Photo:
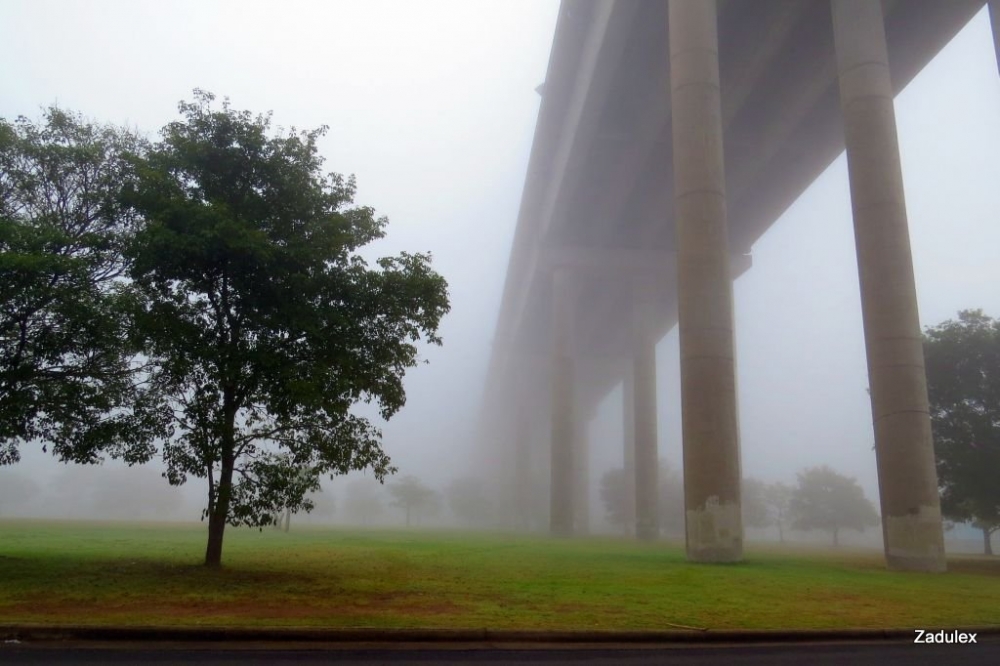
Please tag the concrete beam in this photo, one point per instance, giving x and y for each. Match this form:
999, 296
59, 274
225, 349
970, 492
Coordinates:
606, 41
904, 450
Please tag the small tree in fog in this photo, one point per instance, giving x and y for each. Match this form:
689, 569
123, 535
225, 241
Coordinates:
413, 497
468, 502
778, 497
613, 497
17, 492
825, 500
670, 499
363, 501
263, 324
753, 503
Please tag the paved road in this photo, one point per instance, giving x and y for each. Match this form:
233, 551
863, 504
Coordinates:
882, 654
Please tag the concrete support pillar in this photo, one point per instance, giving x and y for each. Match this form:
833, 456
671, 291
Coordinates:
705, 292
562, 470
643, 375
911, 514
581, 480
523, 491
628, 435
995, 25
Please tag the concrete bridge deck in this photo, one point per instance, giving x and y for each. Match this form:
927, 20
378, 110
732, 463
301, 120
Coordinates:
598, 194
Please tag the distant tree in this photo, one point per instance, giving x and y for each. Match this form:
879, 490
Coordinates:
670, 499
468, 502
363, 501
67, 372
324, 504
613, 498
17, 492
671, 508
963, 382
118, 493
413, 497
778, 497
828, 501
754, 503
263, 325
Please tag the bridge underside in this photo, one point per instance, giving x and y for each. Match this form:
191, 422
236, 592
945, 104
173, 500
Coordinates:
599, 200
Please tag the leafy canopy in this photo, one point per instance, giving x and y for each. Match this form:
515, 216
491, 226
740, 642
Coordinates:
67, 371
264, 327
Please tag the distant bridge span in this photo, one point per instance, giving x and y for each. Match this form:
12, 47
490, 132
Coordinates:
671, 135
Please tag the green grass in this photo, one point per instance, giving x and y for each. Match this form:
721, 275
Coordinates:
150, 574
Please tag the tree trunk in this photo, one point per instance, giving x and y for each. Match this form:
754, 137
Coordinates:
407, 515
781, 533
987, 546
288, 519
835, 543
217, 519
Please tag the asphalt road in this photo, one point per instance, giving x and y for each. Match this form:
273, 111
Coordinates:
881, 653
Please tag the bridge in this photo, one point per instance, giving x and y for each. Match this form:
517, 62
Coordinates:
671, 135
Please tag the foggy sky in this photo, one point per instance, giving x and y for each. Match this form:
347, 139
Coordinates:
432, 106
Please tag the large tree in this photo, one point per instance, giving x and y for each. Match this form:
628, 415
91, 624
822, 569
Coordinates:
826, 500
264, 325
963, 382
67, 372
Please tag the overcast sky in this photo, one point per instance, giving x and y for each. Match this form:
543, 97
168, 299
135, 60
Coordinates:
432, 106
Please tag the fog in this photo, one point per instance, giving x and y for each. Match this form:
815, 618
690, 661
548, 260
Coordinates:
432, 106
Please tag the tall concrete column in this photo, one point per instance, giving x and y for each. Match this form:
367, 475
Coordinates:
562, 471
581, 480
522, 471
628, 435
705, 293
647, 523
911, 513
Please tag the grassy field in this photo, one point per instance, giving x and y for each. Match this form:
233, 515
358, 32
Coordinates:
91, 573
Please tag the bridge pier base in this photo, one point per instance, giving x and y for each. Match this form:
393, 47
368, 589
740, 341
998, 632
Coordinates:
714, 527
904, 449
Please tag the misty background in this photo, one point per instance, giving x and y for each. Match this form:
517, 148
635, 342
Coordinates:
432, 105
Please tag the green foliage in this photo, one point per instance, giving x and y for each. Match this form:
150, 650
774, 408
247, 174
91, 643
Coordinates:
67, 371
963, 382
828, 501
263, 325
